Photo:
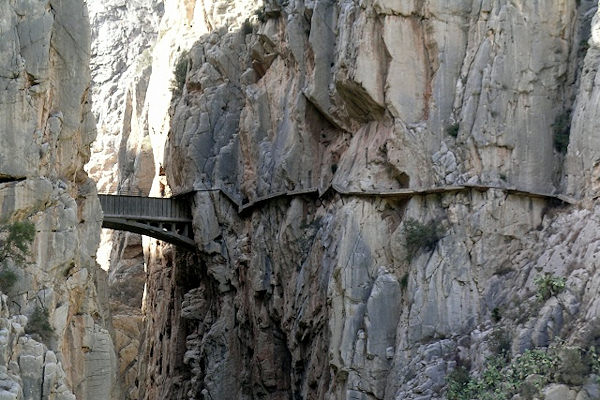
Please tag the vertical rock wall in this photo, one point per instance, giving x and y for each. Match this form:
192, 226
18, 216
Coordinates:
46, 129
313, 296
123, 35
583, 160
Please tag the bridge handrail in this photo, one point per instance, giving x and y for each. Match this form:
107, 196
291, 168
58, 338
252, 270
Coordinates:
397, 193
178, 210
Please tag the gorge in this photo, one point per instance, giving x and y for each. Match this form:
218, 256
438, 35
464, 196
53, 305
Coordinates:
390, 199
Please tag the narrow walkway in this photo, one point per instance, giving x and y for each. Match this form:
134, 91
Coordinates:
397, 194
170, 219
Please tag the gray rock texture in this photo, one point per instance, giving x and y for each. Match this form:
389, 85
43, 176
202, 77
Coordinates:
313, 296
46, 129
122, 161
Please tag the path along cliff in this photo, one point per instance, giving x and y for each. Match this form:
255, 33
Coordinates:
305, 297
314, 296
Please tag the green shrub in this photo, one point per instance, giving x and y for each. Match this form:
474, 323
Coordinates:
543, 362
39, 324
458, 384
461, 386
7, 279
16, 240
453, 129
500, 342
593, 360
180, 73
261, 14
501, 380
247, 27
421, 236
526, 374
404, 281
496, 314
574, 365
549, 285
583, 46
561, 131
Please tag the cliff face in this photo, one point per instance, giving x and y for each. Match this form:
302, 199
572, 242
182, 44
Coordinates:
123, 33
45, 132
311, 294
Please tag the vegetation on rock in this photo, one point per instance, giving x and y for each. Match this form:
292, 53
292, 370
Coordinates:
526, 374
549, 285
421, 236
180, 72
261, 14
15, 240
562, 131
7, 279
39, 324
453, 129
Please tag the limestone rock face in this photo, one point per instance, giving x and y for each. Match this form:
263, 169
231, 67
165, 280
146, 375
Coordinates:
123, 33
122, 161
45, 132
316, 298
312, 294
582, 158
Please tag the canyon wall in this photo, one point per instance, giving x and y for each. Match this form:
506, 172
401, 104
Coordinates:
122, 161
312, 295
54, 327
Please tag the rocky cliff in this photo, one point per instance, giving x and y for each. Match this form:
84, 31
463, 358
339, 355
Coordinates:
122, 161
300, 127
54, 338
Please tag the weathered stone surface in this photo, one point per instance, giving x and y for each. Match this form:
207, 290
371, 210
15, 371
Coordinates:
315, 298
123, 34
45, 132
559, 392
582, 158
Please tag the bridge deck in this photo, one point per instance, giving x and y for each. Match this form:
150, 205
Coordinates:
169, 220
147, 208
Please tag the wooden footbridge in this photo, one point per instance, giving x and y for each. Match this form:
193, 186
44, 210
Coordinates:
170, 219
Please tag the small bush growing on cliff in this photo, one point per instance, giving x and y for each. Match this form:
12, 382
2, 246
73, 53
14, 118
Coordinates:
7, 279
549, 285
496, 314
404, 282
594, 360
39, 324
583, 47
500, 342
562, 131
261, 14
421, 236
526, 374
458, 383
501, 379
15, 240
247, 27
453, 129
181, 68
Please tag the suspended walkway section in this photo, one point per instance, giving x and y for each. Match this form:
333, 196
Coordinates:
169, 220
